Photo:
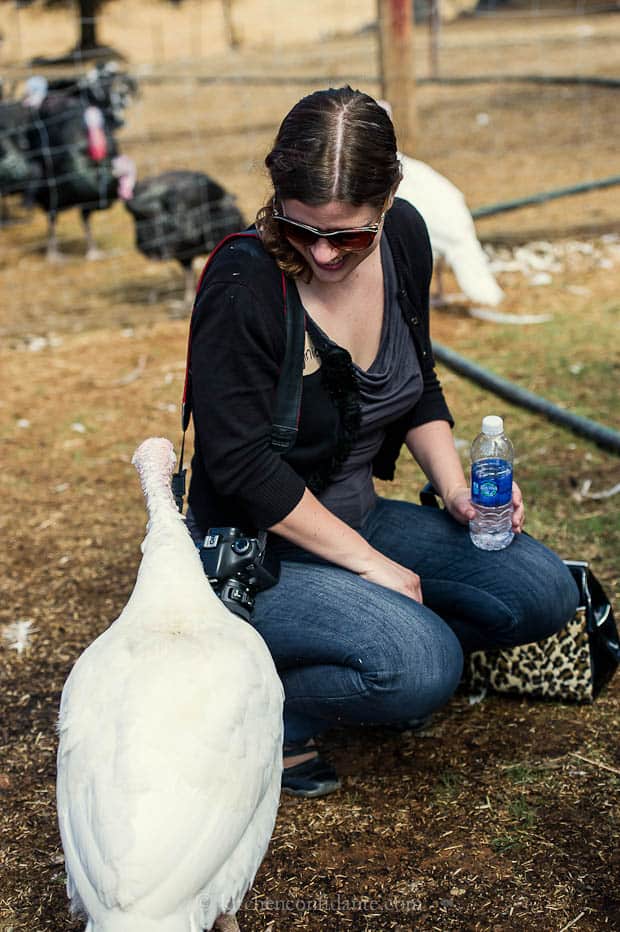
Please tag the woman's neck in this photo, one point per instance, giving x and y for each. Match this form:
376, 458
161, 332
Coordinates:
365, 276
350, 312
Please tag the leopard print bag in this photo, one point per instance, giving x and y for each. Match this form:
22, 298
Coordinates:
572, 665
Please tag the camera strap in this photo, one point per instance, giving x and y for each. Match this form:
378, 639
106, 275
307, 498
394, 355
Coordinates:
288, 393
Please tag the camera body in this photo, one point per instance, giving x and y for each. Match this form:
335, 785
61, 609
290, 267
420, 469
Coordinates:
236, 567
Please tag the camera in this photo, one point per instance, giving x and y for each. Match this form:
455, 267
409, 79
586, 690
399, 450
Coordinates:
237, 567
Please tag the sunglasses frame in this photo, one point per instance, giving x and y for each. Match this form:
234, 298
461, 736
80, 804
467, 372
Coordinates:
331, 235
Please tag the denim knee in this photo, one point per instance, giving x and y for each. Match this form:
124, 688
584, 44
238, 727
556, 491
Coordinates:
413, 677
491, 598
547, 596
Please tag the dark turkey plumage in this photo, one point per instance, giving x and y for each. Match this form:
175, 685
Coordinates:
73, 150
180, 215
16, 170
104, 86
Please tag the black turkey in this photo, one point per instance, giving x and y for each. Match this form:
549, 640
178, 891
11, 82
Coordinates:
16, 170
104, 86
180, 215
76, 158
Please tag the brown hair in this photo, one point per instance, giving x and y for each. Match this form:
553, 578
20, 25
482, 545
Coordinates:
334, 145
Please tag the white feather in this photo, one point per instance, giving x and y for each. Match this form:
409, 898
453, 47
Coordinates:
498, 317
17, 634
450, 228
170, 751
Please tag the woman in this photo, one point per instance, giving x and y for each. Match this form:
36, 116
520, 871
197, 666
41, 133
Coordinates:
377, 599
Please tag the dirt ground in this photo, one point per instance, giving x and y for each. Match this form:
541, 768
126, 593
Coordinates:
502, 815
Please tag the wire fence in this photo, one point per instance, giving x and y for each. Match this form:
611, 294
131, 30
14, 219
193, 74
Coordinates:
511, 104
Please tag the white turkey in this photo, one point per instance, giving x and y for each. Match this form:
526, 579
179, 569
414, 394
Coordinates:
170, 744
450, 228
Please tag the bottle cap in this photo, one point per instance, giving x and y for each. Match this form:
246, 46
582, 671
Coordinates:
492, 425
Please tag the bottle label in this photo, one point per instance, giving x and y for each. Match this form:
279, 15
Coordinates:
491, 482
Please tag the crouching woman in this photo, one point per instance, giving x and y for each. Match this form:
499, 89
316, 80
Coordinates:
378, 599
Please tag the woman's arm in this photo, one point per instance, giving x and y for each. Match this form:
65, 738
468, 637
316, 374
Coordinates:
312, 526
432, 446
238, 343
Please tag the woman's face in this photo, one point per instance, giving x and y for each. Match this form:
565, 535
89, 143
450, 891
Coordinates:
330, 264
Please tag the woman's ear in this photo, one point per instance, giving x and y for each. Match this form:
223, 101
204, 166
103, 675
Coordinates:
390, 199
394, 190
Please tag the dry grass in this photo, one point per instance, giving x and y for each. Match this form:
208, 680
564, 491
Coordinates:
502, 816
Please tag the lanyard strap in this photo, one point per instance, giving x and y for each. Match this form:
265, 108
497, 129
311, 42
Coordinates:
288, 395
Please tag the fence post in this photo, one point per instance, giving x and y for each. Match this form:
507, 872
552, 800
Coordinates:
229, 24
396, 53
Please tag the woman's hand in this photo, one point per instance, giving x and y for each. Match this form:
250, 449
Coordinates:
458, 503
385, 572
311, 526
518, 514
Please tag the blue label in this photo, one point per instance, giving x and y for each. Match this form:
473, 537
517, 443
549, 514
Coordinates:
491, 482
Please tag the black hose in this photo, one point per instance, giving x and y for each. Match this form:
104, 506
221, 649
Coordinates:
604, 437
543, 196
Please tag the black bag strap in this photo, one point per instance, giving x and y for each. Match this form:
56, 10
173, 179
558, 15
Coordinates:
288, 396
288, 393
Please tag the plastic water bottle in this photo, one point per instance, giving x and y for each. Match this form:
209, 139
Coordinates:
491, 486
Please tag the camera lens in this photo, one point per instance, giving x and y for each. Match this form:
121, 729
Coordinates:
241, 546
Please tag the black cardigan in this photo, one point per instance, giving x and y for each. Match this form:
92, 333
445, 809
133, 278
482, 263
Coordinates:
238, 343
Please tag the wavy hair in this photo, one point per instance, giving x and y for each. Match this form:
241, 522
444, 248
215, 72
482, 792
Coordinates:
334, 145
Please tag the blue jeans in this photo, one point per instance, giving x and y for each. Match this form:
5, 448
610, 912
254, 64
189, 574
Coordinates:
350, 652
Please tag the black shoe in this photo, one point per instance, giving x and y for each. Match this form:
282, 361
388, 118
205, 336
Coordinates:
409, 724
314, 777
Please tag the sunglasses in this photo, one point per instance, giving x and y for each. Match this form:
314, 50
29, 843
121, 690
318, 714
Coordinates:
354, 239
